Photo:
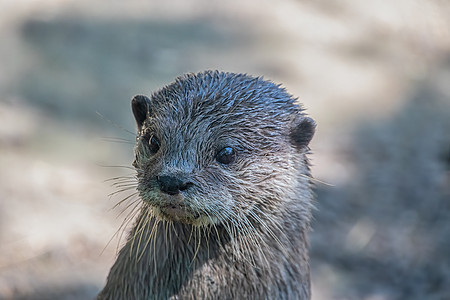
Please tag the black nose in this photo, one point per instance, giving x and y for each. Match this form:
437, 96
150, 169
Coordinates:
172, 185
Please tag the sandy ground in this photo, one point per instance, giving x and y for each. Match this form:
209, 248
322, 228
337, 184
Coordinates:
69, 69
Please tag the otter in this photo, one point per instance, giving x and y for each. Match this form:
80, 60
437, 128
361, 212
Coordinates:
225, 188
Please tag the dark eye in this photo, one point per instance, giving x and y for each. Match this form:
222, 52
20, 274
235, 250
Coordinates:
153, 144
226, 156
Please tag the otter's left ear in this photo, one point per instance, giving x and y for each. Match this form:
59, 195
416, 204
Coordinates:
302, 131
141, 109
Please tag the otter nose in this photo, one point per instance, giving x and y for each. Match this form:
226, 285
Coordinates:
172, 185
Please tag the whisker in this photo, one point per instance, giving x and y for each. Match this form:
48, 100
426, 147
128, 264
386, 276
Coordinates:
130, 176
118, 140
190, 235
140, 232
266, 227
128, 205
197, 232
317, 180
115, 234
116, 166
152, 237
125, 184
130, 216
254, 237
120, 191
114, 124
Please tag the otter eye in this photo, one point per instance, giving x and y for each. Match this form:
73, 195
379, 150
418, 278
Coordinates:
226, 156
153, 143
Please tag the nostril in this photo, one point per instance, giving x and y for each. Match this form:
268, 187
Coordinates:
185, 186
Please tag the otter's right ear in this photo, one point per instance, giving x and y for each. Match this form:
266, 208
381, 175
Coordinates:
302, 131
141, 109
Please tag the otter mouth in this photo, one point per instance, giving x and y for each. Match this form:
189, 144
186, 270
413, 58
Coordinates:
176, 212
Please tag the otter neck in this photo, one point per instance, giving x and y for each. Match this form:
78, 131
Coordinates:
160, 259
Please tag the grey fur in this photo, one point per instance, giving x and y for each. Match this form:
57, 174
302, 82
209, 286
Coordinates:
244, 233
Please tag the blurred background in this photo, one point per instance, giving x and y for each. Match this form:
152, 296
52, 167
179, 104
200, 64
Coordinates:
375, 75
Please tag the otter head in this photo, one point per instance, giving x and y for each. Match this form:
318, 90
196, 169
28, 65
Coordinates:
215, 147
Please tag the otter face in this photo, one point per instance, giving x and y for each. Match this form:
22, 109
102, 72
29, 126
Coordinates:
213, 147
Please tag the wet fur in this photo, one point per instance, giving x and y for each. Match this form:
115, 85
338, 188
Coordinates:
246, 234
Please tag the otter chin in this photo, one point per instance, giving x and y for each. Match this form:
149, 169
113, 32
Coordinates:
177, 213
222, 170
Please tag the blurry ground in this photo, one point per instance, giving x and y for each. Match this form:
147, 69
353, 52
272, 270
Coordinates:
375, 77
